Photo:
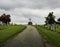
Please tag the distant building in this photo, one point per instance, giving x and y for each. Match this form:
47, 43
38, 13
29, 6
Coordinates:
30, 22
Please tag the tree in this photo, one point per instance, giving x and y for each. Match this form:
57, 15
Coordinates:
59, 20
50, 20
5, 18
46, 20
58, 23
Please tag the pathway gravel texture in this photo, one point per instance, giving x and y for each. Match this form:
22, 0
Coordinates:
30, 37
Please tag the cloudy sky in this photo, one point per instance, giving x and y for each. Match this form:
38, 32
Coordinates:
22, 10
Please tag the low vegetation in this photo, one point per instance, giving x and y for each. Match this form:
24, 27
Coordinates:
58, 29
7, 32
50, 36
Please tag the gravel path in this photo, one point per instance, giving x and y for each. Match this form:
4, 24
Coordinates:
28, 38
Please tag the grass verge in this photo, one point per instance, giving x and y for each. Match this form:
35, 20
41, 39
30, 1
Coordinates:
50, 36
7, 32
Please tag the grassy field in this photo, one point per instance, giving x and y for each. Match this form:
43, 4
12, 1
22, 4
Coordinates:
7, 32
50, 36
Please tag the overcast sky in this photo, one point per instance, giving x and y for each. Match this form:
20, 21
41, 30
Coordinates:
22, 10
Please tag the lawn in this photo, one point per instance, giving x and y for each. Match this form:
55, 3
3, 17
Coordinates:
50, 36
7, 32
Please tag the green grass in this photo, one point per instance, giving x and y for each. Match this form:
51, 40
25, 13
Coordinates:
2, 27
50, 36
58, 29
7, 32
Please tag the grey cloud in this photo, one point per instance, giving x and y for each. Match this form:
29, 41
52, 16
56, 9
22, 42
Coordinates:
37, 4
22, 10
54, 3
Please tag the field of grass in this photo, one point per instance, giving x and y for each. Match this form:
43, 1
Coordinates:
7, 32
50, 36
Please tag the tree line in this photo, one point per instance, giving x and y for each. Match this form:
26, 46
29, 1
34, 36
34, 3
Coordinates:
5, 19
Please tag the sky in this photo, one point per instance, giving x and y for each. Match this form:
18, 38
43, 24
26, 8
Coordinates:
22, 10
